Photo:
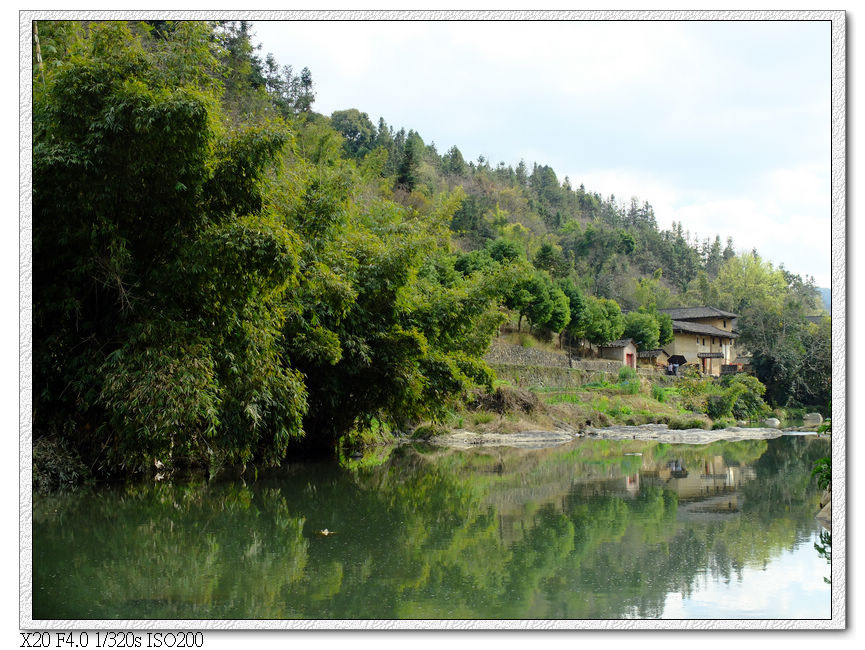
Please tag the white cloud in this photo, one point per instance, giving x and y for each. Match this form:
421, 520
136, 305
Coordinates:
604, 58
791, 586
805, 185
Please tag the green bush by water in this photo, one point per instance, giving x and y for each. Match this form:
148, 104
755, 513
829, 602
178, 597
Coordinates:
483, 417
823, 472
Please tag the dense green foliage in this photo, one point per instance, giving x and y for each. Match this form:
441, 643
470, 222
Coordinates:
209, 288
159, 281
822, 470
738, 396
221, 273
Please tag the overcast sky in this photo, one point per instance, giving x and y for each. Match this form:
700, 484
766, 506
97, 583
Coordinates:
724, 126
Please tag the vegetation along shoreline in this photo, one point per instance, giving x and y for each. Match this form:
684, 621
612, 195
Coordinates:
225, 278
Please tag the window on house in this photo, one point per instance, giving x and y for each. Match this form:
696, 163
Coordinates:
725, 324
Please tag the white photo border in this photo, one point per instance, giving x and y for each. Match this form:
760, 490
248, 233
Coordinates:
839, 341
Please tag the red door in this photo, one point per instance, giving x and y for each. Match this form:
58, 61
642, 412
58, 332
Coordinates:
629, 359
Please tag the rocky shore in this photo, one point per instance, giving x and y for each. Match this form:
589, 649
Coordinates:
523, 439
658, 432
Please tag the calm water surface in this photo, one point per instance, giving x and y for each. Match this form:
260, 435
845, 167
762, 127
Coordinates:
591, 530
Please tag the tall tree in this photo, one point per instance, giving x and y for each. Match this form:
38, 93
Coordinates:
357, 130
409, 167
643, 328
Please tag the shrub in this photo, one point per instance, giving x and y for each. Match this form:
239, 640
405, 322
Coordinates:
627, 373
428, 431
505, 400
748, 402
687, 423
563, 398
55, 465
823, 472
482, 418
602, 404
693, 388
795, 412
719, 406
631, 387
659, 393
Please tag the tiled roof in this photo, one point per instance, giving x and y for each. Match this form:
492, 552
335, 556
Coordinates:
689, 313
697, 328
646, 354
620, 343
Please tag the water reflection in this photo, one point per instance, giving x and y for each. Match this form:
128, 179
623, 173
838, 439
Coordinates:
824, 550
597, 529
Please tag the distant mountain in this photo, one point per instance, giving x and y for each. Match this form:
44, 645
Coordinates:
826, 295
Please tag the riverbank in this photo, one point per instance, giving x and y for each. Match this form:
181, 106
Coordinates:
542, 390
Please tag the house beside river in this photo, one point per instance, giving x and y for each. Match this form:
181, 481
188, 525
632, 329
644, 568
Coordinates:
703, 335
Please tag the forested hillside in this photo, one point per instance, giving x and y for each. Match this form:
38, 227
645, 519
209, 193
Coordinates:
223, 275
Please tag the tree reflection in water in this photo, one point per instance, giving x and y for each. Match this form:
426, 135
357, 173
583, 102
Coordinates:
824, 549
425, 533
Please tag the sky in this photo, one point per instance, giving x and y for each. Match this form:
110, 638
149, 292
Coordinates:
724, 126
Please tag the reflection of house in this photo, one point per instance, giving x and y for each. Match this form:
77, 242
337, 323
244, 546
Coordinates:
703, 335
653, 358
709, 477
623, 350
677, 470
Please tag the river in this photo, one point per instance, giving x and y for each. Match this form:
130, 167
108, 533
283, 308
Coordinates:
592, 529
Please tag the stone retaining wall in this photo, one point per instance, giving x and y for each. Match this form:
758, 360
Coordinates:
533, 367
509, 353
530, 376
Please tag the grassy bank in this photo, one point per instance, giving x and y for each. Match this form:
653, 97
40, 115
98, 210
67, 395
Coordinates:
627, 399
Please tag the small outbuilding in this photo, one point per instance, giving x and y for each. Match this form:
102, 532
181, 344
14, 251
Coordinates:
653, 358
622, 350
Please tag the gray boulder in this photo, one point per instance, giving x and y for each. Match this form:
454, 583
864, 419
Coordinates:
825, 498
772, 422
825, 516
812, 418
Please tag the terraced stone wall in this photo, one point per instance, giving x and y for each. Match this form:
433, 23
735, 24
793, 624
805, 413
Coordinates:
527, 367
